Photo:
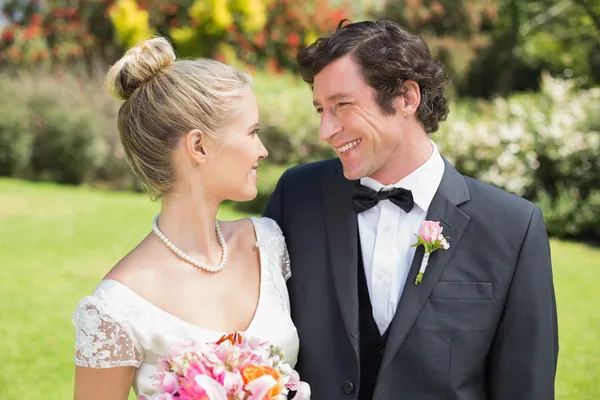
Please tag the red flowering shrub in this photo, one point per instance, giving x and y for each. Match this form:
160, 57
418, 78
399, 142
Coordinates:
56, 36
291, 24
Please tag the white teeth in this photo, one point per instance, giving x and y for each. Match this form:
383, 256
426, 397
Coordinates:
348, 146
253, 172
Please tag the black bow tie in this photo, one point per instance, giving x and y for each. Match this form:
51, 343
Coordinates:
364, 198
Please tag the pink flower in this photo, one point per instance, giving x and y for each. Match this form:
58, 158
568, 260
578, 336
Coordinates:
192, 390
303, 391
430, 231
158, 396
431, 238
163, 365
169, 383
194, 368
222, 371
176, 365
230, 380
213, 390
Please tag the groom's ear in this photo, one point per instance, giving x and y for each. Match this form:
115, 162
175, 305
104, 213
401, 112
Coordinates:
408, 99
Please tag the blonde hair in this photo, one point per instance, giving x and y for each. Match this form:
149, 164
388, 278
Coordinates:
164, 100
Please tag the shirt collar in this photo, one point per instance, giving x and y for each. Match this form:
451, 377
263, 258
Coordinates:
422, 182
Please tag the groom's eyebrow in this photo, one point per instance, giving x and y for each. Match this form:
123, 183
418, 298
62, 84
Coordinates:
333, 97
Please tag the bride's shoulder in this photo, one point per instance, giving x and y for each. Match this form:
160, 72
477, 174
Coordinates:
122, 286
104, 304
141, 270
251, 229
104, 325
268, 234
260, 233
267, 225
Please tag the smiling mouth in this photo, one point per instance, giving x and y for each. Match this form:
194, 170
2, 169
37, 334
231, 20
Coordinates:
348, 146
253, 170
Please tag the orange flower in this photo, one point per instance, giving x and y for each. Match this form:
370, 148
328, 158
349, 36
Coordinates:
234, 338
253, 372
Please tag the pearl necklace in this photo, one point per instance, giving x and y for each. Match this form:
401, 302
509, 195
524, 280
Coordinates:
187, 257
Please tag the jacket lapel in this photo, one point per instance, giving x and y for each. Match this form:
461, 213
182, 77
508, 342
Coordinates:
342, 236
451, 193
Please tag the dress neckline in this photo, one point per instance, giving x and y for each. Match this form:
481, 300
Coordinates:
261, 290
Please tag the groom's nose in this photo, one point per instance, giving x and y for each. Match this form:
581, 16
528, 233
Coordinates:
330, 125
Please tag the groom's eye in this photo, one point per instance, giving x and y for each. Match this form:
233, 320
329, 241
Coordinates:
319, 110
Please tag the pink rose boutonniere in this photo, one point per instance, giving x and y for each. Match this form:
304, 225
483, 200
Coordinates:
430, 236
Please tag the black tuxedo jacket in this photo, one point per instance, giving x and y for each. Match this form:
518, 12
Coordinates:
481, 325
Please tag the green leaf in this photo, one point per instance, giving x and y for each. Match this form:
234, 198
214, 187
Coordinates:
419, 278
419, 242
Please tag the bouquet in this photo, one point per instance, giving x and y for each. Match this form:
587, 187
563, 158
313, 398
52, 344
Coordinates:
233, 368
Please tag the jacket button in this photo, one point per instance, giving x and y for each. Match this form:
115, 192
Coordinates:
348, 387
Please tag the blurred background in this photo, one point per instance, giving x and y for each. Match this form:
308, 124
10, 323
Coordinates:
525, 116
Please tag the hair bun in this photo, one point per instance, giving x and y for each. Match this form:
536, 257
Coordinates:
138, 65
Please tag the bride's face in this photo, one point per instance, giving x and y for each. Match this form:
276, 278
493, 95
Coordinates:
230, 171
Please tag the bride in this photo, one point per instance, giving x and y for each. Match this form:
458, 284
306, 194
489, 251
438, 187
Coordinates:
189, 129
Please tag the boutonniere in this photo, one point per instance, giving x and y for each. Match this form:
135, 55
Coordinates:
430, 236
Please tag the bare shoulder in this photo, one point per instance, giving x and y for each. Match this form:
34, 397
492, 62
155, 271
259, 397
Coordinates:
244, 230
239, 232
139, 270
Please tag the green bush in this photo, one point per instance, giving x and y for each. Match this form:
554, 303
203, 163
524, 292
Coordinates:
289, 122
60, 128
16, 140
542, 146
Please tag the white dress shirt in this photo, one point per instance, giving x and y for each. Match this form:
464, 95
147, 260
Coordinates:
387, 232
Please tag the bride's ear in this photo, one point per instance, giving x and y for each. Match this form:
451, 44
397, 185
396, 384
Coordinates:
196, 146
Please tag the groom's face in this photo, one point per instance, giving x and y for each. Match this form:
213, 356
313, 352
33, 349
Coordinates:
351, 121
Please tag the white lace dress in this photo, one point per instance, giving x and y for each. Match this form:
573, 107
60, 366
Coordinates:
116, 327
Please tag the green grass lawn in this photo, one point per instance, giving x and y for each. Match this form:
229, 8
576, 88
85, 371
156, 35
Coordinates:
56, 243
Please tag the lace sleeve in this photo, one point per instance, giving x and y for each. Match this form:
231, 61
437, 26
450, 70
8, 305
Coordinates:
273, 238
285, 263
100, 340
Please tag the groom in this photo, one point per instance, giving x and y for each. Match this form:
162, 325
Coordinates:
482, 322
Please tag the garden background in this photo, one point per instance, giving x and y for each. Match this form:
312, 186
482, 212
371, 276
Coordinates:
525, 116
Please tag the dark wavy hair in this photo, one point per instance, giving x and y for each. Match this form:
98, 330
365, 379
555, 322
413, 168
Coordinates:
387, 56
